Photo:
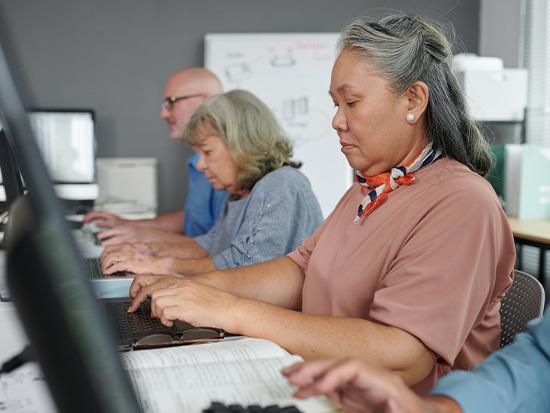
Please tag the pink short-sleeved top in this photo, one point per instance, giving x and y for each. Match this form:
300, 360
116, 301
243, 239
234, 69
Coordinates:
434, 260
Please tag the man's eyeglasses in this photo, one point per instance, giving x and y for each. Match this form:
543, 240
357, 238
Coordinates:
168, 102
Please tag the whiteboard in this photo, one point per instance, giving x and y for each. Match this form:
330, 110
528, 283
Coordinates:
290, 72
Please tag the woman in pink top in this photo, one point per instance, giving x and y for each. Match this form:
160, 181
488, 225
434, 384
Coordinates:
408, 271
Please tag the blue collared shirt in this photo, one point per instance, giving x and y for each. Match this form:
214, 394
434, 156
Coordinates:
274, 219
203, 203
514, 379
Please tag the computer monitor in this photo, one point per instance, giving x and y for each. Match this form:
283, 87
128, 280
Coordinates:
10, 177
66, 139
67, 327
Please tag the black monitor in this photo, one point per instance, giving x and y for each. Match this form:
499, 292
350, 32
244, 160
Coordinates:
68, 329
10, 177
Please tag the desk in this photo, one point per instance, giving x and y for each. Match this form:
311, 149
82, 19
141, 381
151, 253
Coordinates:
31, 395
535, 233
13, 338
25, 390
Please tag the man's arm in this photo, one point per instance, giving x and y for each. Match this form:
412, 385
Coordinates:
514, 379
170, 222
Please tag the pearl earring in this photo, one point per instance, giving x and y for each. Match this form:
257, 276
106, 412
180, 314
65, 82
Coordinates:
410, 117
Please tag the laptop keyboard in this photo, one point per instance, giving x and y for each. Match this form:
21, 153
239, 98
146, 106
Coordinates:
138, 330
217, 407
94, 269
131, 325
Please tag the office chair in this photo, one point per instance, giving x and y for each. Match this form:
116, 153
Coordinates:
523, 302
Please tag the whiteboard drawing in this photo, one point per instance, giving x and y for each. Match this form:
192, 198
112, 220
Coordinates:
237, 72
290, 72
284, 59
294, 107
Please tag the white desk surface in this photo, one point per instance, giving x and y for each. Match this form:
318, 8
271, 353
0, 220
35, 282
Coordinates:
25, 390
12, 337
22, 391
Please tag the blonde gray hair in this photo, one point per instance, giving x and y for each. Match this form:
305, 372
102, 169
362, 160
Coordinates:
405, 49
250, 131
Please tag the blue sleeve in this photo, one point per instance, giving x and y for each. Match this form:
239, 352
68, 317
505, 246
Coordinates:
279, 216
514, 379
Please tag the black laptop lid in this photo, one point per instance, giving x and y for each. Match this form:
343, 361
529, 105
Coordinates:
11, 178
67, 328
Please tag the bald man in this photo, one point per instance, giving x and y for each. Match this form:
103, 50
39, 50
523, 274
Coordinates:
185, 90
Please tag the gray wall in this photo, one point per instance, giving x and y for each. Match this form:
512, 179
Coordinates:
497, 41
115, 56
500, 30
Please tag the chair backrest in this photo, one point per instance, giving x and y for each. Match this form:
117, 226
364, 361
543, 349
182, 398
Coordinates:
523, 302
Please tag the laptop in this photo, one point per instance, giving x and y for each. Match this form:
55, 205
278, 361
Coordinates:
105, 286
138, 330
13, 187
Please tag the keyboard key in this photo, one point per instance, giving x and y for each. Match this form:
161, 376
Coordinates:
217, 407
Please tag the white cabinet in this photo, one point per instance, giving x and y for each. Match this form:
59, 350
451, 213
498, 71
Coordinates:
495, 95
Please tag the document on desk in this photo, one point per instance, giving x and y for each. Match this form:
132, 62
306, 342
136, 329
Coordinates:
237, 370
25, 391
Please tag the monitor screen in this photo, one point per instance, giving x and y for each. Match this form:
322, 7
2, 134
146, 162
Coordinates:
67, 142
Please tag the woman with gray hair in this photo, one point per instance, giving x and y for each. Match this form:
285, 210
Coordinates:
408, 271
271, 208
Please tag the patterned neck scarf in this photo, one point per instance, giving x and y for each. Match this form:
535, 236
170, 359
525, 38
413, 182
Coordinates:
382, 184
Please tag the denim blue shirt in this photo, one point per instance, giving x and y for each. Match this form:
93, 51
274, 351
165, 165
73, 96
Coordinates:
203, 203
514, 379
278, 214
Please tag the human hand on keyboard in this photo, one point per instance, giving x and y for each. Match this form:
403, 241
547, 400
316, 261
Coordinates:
104, 219
356, 386
178, 298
